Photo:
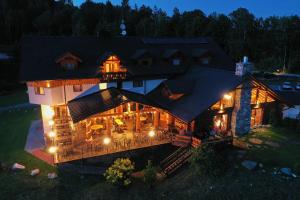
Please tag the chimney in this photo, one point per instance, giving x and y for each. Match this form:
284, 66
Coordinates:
243, 68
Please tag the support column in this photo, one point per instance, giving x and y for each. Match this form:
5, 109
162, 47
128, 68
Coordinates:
241, 114
108, 128
156, 119
137, 122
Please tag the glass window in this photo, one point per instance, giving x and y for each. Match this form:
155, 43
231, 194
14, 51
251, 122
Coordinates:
176, 61
77, 88
39, 90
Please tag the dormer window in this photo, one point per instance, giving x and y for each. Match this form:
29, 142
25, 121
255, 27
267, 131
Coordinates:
205, 61
201, 56
70, 66
176, 61
145, 62
174, 56
112, 65
68, 61
142, 57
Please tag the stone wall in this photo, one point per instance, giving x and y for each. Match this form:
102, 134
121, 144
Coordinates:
241, 115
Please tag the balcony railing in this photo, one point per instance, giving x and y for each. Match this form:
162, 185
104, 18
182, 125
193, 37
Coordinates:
98, 148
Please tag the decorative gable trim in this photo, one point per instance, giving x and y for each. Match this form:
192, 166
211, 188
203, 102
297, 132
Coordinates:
68, 55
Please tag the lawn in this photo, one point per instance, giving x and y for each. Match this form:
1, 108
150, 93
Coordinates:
286, 152
17, 97
237, 183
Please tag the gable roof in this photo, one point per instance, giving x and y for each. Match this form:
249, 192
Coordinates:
292, 97
101, 101
209, 85
38, 55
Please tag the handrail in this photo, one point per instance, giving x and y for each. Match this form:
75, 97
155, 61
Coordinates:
175, 153
180, 163
174, 158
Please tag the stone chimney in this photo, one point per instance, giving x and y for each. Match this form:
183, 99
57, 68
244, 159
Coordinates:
243, 68
241, 114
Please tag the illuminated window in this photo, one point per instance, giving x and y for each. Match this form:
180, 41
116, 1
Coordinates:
39, 90
112, 64
77, 88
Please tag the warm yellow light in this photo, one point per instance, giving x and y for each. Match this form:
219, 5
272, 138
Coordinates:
106, 141
129, 108
51, 134
151, 133
49, 112
221, 109
227, 96
51, 122
48, 85
218, 123
257, 104
52, 149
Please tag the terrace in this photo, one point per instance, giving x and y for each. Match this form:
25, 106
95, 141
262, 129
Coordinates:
127, 127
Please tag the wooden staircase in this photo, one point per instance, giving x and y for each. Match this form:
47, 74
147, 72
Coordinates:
181, 140
174, 161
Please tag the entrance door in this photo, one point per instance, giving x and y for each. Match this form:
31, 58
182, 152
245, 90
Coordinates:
256, 117
221, 123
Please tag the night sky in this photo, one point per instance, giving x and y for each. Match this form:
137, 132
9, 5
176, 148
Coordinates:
260, 8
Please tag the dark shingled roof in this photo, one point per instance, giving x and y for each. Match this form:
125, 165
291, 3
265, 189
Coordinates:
209, 86
202, 87
39, 53
292, 97
86, 106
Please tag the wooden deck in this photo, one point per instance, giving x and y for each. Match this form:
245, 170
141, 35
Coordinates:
87, 150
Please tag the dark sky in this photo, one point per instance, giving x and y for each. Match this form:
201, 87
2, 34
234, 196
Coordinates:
260, 8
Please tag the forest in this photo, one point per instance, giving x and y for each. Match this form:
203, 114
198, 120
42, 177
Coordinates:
271, 43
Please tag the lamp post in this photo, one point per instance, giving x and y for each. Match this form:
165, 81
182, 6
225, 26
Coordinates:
106, 142
151, 134
52, 150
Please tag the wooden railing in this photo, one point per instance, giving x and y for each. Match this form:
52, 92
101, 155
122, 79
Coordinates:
99, 149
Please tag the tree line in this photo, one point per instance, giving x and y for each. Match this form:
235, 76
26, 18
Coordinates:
271, 43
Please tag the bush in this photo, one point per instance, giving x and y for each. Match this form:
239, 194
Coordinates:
119, 173
149, 174
205, 161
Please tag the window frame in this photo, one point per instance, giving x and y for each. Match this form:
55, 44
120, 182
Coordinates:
176, 61
76, 89
39, 90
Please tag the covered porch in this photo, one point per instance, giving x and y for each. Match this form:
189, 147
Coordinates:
109, 122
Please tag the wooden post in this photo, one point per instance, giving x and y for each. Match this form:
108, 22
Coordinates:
171, 120
156, 119
137, 123
108, 129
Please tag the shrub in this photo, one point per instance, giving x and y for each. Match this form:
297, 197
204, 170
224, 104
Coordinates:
149, 174
205, 161
119, 173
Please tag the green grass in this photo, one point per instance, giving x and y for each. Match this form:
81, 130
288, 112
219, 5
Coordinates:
235, 184
17, 97
286, 155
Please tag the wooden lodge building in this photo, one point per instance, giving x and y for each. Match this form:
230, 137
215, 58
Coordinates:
100, 96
